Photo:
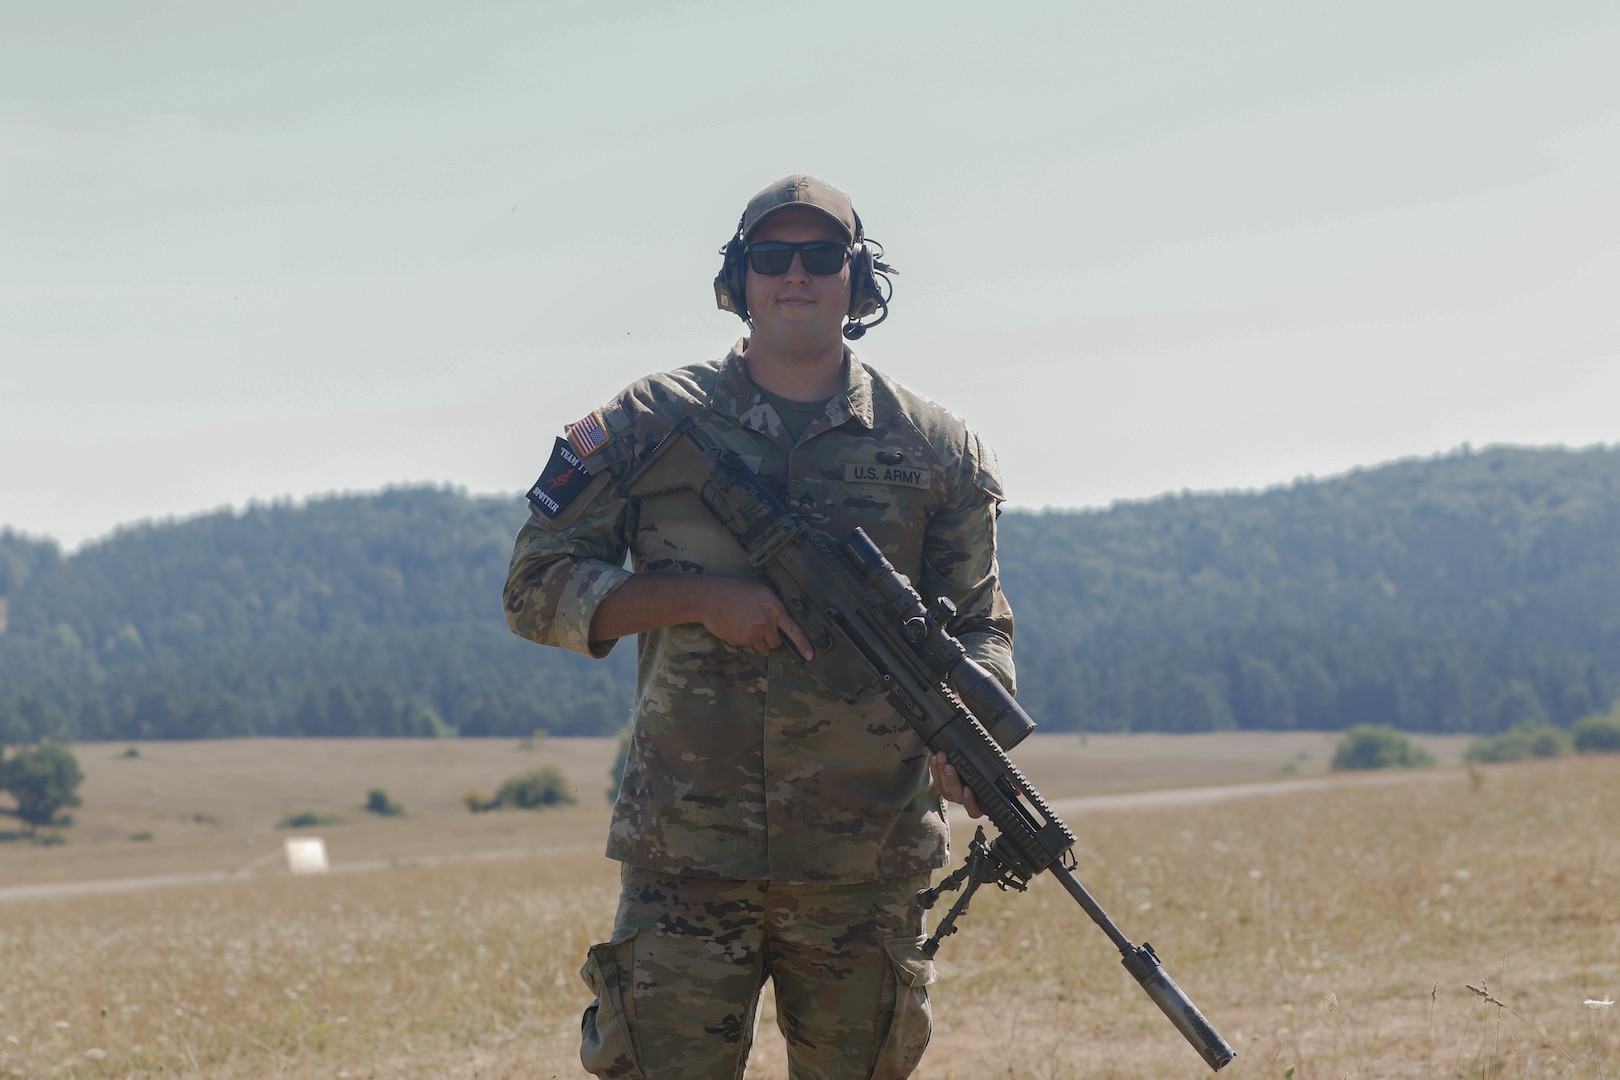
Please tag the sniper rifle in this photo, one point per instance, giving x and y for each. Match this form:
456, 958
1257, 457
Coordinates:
872, 632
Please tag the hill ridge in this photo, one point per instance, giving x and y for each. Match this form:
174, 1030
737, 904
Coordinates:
1451, 593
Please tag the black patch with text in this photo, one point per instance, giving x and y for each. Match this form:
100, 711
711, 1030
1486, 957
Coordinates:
565, 476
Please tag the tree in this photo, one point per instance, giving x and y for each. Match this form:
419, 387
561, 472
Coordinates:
1597, 734
1514, 705
42, 780
11, 724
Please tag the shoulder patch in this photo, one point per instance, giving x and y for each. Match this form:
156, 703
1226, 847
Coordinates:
564, 477
588, 435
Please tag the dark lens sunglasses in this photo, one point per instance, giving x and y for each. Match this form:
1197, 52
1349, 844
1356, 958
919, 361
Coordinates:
773, 257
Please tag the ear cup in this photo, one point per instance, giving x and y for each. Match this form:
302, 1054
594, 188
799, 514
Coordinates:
864, 297
731, 283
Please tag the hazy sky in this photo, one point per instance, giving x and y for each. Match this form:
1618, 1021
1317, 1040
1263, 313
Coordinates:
250, 251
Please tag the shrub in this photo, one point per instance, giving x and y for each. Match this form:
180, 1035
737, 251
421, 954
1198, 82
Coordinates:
1520, 742
42, 780
307, 819
378, 801
536, 788
1378, 746
1597, 734
479, 802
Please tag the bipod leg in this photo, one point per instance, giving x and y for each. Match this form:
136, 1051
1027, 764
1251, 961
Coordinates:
927, 898
979, 868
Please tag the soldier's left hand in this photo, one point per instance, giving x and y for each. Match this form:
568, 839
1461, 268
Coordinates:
950, 785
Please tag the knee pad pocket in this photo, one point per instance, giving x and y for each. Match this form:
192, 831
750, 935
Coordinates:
911, 1023
607, 1032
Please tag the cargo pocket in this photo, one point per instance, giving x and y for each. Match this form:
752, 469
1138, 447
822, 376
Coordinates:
912, 1021
607, 1031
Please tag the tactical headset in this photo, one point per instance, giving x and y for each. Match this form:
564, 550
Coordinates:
869, 284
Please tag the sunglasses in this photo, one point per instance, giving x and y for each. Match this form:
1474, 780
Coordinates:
773, 257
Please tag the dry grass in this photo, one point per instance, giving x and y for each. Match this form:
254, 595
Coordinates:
214, 806
1069, 765
1313, 929
1329, 932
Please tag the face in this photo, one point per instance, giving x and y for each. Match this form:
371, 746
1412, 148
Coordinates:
797, 304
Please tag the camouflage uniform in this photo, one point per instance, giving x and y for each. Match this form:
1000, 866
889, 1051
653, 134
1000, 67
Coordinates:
742, 767
851, 983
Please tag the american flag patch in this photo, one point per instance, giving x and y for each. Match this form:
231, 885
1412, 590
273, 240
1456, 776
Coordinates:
588, 436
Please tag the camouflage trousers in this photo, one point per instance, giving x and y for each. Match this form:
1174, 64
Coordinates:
677, 986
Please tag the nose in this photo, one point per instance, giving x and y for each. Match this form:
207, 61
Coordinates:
796, 270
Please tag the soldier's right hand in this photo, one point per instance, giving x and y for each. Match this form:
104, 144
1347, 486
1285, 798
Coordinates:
747, 612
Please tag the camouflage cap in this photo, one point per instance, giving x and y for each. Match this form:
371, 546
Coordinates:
802, 190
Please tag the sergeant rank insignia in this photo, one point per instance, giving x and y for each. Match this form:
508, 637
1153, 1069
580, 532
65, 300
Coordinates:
565, 476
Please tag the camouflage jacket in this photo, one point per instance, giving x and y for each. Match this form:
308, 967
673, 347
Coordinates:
741, 765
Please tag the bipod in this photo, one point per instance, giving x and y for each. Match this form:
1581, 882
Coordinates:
982, 867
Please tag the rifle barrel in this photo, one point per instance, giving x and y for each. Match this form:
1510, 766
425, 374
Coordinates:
1143, 964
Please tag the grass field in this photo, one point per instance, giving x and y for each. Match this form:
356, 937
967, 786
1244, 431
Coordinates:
1332, 932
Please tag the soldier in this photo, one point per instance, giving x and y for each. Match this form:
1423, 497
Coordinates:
765, 829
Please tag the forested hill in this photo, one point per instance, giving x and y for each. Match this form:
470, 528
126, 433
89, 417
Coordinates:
375, 614
1464, 593
1461, 593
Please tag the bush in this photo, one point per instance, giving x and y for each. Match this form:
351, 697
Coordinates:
1520, 742
479, 802
307, 819
1597, 734
42, 780
1378, 746
378, 801
536, 788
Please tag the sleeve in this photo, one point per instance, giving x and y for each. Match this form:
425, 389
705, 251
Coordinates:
959, 562
564, 566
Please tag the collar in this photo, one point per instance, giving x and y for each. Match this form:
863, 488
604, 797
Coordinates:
735, 393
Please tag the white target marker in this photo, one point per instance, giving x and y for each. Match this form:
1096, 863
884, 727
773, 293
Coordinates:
307, 855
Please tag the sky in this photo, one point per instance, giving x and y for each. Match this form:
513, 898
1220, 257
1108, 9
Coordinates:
253, 252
